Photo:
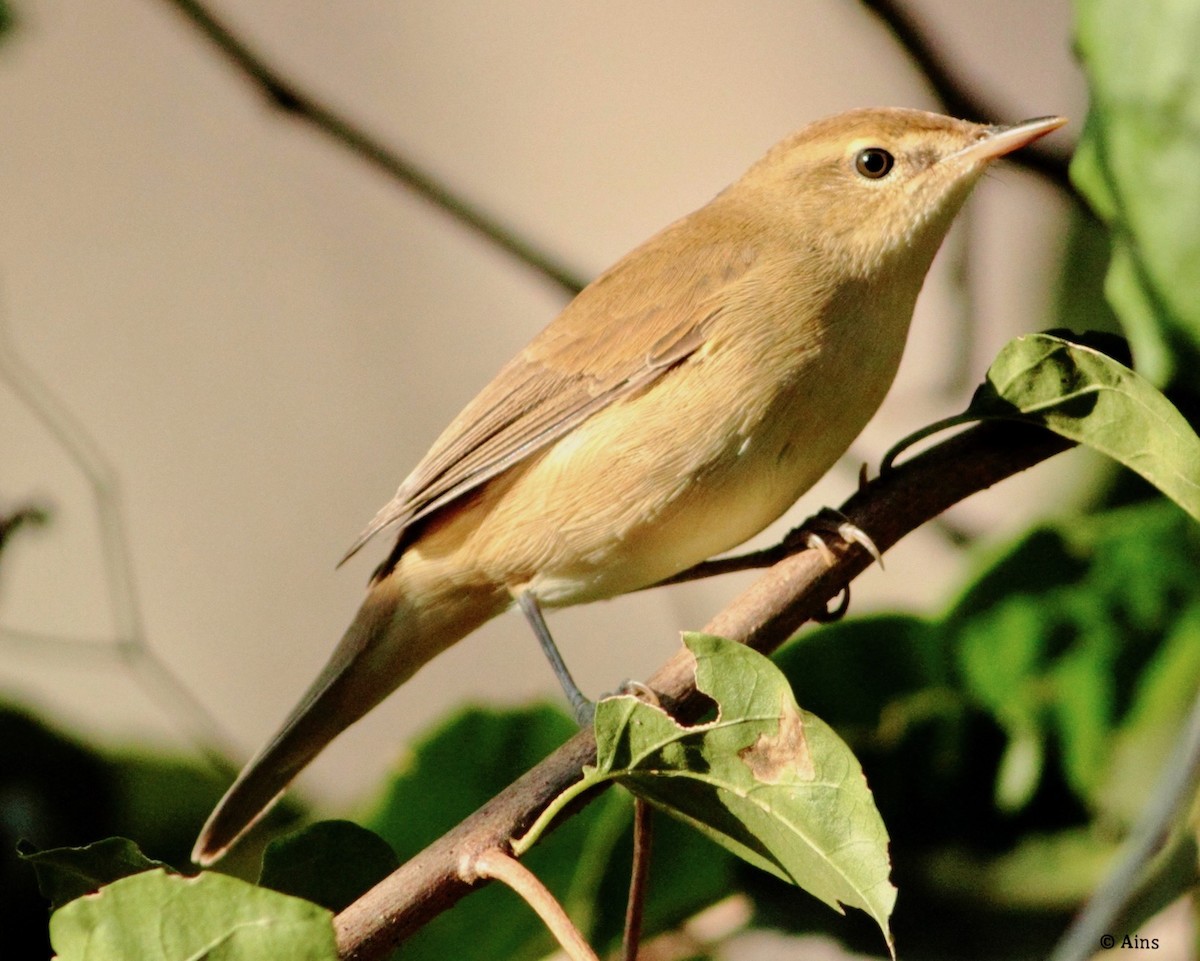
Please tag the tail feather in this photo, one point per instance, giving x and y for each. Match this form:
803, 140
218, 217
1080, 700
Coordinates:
384, 646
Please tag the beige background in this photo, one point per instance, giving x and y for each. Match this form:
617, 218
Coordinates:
263, 335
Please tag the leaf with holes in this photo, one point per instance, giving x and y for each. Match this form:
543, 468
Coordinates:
764, 779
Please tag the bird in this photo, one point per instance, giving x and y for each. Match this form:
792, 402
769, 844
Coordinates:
679, 404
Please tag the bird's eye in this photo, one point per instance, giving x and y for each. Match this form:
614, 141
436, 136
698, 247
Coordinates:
873, 162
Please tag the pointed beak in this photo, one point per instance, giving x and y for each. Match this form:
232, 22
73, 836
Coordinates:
999, 141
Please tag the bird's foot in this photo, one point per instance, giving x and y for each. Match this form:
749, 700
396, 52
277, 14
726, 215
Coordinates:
833, 522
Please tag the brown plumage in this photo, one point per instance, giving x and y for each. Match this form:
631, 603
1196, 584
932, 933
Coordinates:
677, 406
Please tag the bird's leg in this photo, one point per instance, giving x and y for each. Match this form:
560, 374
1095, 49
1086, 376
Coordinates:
583, 709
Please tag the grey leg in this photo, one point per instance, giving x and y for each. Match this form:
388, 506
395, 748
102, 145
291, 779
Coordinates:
583, 709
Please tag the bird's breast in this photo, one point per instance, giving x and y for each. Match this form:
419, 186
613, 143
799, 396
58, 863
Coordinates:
699, 462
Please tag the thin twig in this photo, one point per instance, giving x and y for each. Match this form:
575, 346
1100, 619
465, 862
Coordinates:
288, 97
959, 97
129, 638
508, 870
763, 617
643, 840
28, 516
78, 650
1176, 788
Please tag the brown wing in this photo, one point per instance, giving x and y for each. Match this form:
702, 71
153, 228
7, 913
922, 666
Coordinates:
624, 331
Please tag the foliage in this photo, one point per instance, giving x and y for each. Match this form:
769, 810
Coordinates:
1074, 389
1136, 164
1006, 743
767, 781
331, 863
156, 916
1009, 743
582, 862
56, 791
1012, 741
65, 874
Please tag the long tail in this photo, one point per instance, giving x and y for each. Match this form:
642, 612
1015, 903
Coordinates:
395, 633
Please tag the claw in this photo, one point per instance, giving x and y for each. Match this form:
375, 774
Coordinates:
816, 542
835, 521
854, 533
642, 692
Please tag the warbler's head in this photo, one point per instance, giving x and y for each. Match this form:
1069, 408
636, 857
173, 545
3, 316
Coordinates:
879, 186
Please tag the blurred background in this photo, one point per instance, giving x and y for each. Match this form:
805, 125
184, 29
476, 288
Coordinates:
261, 334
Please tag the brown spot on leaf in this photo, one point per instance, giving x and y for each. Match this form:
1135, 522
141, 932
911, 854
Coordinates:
784, 755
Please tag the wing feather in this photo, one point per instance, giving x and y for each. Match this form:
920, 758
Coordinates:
620, 335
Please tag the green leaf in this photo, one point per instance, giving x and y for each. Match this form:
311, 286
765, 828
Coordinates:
466, 761
155, 916
1057, 679
65, 874
1081, 629
458, 766
905, 656
161, 799
766, 780
1138, 163
688, 873
1157, 713
450, 773
330, 863
1042, 871
889, 685
57, 792
1086, 396
1079, 299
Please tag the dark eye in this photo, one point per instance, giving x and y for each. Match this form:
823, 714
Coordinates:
873, 162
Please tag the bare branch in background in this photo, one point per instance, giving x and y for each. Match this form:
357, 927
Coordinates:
960, 98
287, 96
129, 643
28, 516
1174, 791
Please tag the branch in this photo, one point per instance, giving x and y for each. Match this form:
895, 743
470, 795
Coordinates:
129, 642
1173, 792
508, 870
764, 616
29, 516
284, 94
643, 833
961, 98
